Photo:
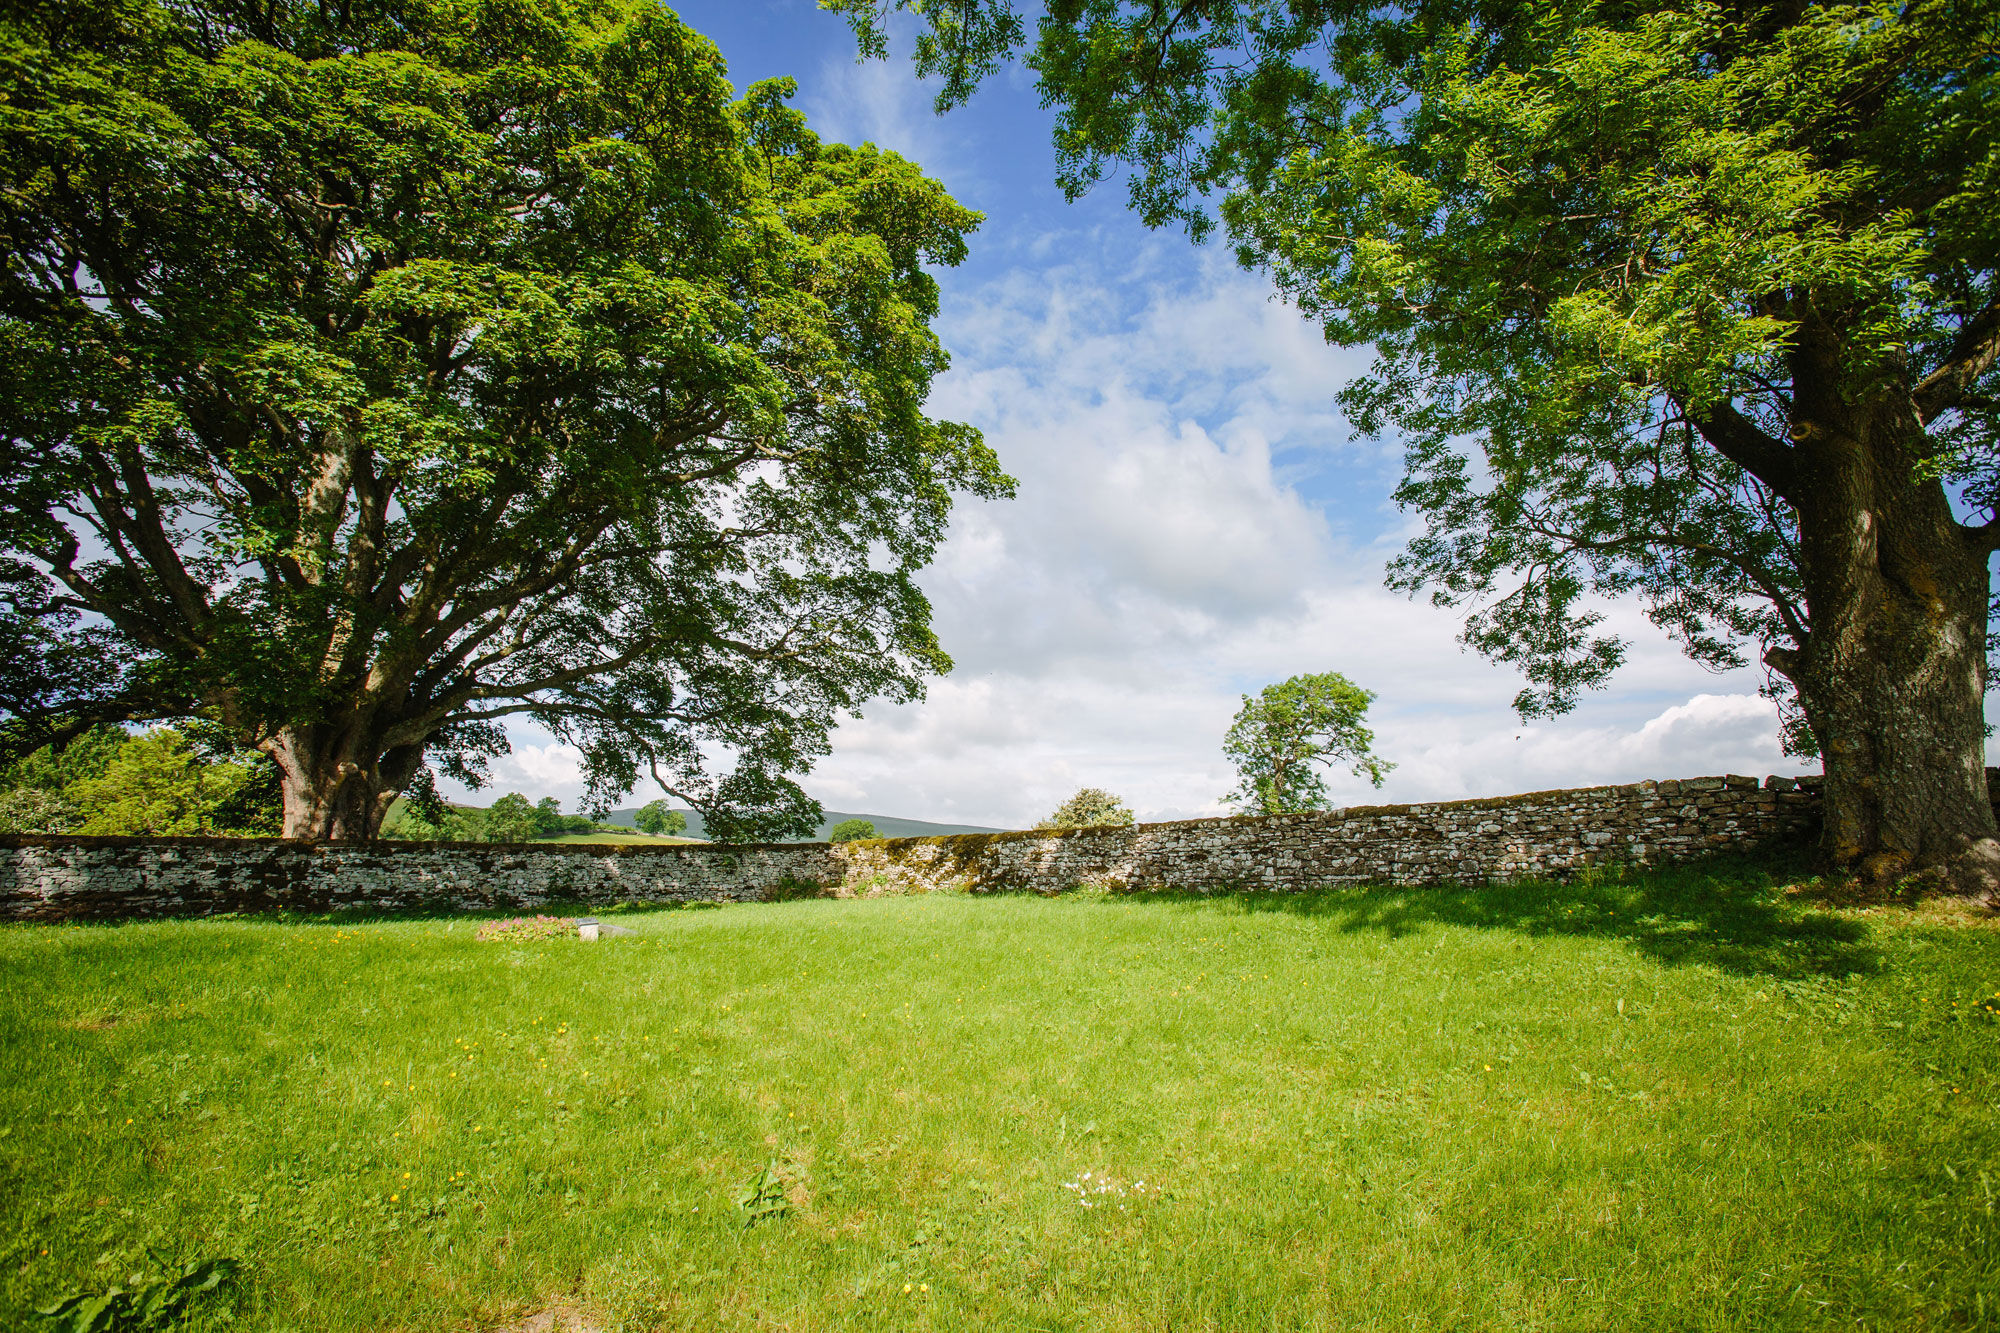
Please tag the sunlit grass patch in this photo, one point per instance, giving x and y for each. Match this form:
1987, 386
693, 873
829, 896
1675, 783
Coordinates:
1686, 1100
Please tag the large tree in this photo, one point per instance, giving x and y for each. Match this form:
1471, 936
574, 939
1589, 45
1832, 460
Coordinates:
1690, 302
376, 372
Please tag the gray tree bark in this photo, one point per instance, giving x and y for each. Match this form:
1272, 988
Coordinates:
1893, 672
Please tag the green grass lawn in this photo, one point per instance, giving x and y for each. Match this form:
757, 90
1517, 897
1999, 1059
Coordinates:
1681, 1101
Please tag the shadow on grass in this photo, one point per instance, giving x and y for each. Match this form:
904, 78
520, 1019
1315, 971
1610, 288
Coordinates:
1727, 913
360, 916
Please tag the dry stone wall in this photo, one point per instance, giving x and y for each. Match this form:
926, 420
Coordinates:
57, 879
1542, 833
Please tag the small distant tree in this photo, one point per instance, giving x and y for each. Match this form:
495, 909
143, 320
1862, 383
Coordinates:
655, 818
549, 819
1092, 807
1283, 737
511, 819
851, 830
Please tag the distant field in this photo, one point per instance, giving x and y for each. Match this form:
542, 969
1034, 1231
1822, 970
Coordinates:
1684, 1101
614, 837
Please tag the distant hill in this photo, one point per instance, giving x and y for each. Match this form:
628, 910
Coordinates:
886, 826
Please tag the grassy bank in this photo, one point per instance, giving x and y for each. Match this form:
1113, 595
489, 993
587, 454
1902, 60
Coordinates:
1684, 1101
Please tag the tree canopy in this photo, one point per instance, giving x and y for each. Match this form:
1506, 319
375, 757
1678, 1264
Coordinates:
1283, 737
1698, 304
379, 373
851, 830
656, 818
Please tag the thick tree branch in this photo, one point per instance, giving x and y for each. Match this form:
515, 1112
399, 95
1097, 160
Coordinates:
1972, 354
1738, 439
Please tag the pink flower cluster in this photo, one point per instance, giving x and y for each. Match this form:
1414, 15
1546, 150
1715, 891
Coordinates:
528, 928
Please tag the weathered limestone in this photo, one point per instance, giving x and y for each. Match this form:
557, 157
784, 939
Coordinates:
1542, 833
54, 879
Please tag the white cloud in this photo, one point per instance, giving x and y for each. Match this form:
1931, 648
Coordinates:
1143, 432
1158, 564
1006, 746
538, 767
876, 101
1194, 522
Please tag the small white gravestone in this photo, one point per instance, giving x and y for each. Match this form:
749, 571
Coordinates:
590, 928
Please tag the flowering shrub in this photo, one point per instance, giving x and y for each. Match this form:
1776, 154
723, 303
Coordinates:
528, 928
31, 810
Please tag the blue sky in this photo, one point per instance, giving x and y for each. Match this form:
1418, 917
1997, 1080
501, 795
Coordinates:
1195, 518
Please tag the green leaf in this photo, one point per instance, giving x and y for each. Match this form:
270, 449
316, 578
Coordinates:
763, 1198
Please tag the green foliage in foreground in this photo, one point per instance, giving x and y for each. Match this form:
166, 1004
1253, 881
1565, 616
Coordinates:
850, 830
149, 1303
1682, 1101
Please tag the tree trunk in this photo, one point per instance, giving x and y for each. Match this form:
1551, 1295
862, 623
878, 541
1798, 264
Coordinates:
1892, 674
338, 786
